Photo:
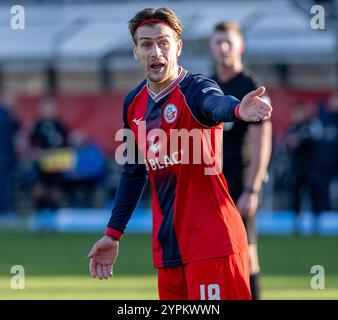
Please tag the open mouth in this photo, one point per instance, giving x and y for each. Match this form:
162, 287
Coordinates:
156, 66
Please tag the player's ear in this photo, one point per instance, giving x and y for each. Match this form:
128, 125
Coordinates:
179, 47
135, 51
242, 46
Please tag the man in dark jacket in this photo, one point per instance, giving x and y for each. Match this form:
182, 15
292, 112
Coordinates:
8, 128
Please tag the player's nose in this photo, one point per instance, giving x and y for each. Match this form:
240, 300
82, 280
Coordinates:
225, 46
156, 51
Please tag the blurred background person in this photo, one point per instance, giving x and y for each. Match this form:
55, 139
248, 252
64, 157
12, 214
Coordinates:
327, 151
48, 140
246, 146
8, 157
83, 180
301, 141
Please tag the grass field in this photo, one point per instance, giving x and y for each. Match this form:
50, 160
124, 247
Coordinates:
56, 267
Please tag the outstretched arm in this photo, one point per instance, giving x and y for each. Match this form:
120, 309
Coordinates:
216, 108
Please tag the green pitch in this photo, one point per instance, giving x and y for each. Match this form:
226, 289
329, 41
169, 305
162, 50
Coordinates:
56, 267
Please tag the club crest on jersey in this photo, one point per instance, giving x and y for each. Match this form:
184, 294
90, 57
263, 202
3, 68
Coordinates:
170, 113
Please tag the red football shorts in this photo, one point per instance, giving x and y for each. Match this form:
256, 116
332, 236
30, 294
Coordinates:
223, 278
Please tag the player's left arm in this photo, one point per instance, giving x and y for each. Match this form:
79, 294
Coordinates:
260, 140
212, 107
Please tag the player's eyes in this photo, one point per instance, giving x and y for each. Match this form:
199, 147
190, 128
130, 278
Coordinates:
221, 43
146, 44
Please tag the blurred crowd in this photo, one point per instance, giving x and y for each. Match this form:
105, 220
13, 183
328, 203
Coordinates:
308, 158
67, 169
62, 169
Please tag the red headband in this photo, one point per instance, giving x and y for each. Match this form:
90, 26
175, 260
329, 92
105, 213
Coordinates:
153, 20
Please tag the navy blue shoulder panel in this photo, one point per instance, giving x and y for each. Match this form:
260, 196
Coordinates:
194, 87
129, 99
207, 101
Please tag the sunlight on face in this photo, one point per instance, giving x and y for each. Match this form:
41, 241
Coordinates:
226, 47
157, 49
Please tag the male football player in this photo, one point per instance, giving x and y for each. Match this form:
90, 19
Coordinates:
199, 241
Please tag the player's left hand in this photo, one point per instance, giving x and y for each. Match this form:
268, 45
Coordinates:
102, 257
253, 108
247, 204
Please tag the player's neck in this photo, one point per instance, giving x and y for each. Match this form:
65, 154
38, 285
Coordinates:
156, 87
226, 73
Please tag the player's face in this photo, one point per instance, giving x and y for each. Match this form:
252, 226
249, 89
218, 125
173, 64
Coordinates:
157, 49
226, 48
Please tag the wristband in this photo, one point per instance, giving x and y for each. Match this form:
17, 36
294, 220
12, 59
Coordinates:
236, 111
113, 233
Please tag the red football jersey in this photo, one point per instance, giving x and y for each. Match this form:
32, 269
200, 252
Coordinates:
194, 217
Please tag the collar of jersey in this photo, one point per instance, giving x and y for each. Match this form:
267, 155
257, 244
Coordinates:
157, 97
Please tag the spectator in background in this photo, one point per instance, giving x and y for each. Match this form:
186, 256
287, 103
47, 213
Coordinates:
246, 146
327, 150
301, 143
51, 158
8, 129
84, 178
